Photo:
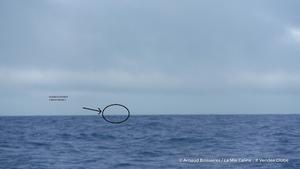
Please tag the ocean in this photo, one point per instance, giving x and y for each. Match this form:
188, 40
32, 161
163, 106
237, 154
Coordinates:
149, 142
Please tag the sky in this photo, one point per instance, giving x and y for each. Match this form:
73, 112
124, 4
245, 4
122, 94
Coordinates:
155, 57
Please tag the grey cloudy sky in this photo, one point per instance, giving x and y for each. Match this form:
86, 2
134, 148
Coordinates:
156, 57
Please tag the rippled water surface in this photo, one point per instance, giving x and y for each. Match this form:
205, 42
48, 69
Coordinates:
149, 141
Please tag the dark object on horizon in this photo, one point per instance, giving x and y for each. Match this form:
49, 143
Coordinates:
113, 120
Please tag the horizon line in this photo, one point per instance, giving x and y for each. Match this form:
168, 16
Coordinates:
190, 114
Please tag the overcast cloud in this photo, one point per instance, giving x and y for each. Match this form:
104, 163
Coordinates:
156, 57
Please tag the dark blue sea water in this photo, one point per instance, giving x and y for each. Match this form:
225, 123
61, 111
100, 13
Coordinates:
59, 142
